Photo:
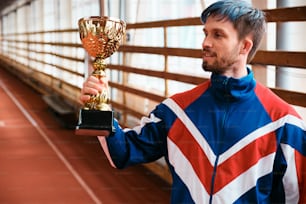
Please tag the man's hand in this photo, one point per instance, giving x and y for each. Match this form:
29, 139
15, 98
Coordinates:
93, 86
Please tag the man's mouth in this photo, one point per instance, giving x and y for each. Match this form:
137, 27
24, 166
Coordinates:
206, 53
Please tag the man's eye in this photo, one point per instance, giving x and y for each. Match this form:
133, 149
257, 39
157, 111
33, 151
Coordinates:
218, 35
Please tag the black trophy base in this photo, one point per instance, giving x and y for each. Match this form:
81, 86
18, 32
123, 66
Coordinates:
95, 123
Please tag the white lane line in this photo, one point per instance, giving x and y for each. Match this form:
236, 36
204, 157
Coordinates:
51, 144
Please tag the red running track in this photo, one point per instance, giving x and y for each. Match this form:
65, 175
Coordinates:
42, 162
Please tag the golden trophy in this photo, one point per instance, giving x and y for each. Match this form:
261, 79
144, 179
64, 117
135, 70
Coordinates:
101, 37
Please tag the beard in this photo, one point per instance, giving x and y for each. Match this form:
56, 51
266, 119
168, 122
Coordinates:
220, 64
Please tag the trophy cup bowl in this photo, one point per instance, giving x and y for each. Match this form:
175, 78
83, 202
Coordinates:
101, 37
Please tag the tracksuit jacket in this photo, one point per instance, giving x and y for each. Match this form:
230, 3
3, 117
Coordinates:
225, 141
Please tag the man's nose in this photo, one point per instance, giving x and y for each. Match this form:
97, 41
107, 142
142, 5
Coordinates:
206, 42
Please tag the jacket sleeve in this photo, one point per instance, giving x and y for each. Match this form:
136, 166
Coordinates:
142, 144
300, 161
301, 174
293, 145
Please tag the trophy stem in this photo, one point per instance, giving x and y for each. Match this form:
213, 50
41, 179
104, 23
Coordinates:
99, 65
101, 100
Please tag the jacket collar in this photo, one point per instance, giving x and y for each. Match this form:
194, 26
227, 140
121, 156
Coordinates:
231, 89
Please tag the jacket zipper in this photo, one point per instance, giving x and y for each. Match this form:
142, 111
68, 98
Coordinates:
225, 82
213, 180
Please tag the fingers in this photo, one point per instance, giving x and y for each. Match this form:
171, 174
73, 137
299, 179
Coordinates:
93, 86
84, 98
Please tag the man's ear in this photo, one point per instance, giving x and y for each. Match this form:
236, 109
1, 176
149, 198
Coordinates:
247, 45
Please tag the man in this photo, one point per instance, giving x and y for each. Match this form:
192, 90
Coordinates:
228, 140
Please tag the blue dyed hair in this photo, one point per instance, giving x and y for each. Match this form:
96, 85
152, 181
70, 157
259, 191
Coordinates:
246, 19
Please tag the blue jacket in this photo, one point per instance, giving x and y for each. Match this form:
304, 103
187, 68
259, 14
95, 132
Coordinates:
225, 141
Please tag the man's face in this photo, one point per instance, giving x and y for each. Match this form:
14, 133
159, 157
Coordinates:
221, 46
